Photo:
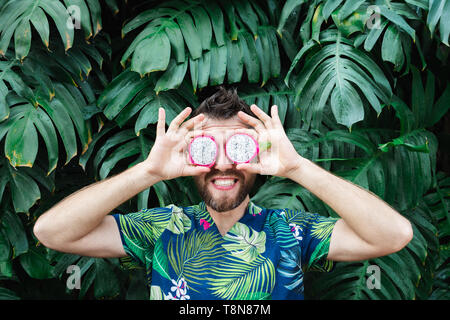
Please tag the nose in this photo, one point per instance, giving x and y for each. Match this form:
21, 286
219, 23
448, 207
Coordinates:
223, 163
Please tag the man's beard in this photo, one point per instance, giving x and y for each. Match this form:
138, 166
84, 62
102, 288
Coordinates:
224, 204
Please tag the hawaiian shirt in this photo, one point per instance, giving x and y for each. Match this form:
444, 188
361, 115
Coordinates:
263, 256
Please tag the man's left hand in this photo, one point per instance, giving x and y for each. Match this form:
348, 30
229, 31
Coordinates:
277, 156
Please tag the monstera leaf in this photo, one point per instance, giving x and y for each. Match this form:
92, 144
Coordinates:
244, 243
10, 76
178, 32
334, 72
439, 11
128, 94
18, 17
23, 186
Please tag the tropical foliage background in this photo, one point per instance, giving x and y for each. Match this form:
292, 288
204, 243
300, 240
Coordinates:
362, 87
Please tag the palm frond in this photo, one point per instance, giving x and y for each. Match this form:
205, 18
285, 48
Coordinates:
236, 279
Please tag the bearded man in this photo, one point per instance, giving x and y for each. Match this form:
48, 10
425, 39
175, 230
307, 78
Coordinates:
225, 247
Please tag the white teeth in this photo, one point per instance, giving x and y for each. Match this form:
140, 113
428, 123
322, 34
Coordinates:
224, 183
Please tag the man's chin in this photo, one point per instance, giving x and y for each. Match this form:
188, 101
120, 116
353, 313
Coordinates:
220, 205
220, 201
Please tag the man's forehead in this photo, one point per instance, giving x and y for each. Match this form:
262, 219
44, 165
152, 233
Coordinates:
211, 124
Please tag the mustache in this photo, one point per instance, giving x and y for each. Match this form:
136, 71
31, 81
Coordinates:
215, 172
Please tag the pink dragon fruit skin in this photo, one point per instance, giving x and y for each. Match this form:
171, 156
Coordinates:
241, 148
203, 151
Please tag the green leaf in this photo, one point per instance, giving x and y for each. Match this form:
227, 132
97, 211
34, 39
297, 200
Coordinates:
5, 251
124, 151
21, 143
231, 15
79, 7
247, 15
190, 34
288, 7
346, 104
329, 7
15, 232
146, 16
392, 16
138, 102
6, 294
124, 95
441, 107
204, 69
147, 116
235, 61
244, 242
25, 191
444, 25
251, 60
36, 264
176, 40
391, 49
203, 25
218, 65
57, 112
373, 35
106, 283
172, 78
16, 18
60, 16
218, 23
401, 141
151, 54
435, 11
22, 40
85, 157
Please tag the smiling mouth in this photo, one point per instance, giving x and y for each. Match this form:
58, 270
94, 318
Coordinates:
224, 183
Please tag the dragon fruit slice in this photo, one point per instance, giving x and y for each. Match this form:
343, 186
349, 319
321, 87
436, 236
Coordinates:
241, 148
203, 151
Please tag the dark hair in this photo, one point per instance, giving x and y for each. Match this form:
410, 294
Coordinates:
223, 104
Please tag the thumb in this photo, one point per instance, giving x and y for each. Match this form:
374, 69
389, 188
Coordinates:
193, 170
250, 167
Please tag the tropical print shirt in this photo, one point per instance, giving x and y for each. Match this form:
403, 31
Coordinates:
263, 256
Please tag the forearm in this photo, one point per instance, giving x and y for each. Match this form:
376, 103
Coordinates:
78, 214
372, 219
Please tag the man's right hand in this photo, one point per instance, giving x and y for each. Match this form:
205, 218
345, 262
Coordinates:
167, 158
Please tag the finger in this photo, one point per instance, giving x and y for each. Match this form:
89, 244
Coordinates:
275, 116
262, 115
176, 122
195, 122
255, 123
193, 133
192, 170
161, 125
250, 167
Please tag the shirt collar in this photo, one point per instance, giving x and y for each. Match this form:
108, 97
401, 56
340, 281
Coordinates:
252, 208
